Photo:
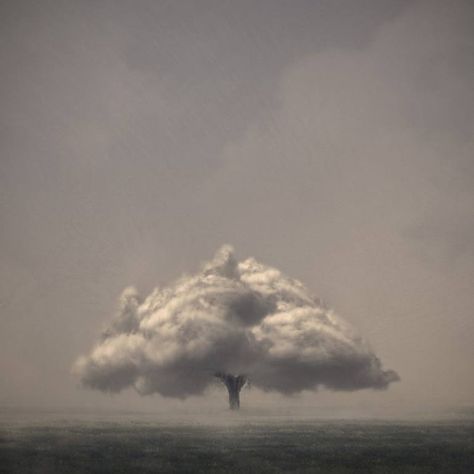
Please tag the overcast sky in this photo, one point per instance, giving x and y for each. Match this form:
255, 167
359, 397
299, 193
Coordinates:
331, 139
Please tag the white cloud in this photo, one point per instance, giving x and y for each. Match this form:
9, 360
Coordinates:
233, 317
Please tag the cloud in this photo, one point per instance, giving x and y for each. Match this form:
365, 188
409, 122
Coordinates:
235, 317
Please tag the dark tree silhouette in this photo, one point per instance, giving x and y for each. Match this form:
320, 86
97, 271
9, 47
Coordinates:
234, 384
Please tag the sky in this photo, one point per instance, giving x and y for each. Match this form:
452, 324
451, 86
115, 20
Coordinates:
330, 139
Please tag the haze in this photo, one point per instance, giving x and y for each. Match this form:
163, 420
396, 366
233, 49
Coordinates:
331, 139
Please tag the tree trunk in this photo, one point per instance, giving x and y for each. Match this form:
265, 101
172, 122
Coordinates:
234, 384
234, 397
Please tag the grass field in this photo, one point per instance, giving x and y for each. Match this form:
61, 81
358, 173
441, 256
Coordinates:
137, 444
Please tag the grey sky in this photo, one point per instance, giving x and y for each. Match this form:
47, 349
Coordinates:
331, 139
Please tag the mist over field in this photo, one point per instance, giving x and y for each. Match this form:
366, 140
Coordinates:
244, 442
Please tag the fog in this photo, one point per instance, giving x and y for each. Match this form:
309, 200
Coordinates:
332, 140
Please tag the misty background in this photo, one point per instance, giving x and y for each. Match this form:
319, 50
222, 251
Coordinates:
330, 139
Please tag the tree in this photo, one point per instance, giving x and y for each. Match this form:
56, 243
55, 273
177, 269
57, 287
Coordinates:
234, 384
